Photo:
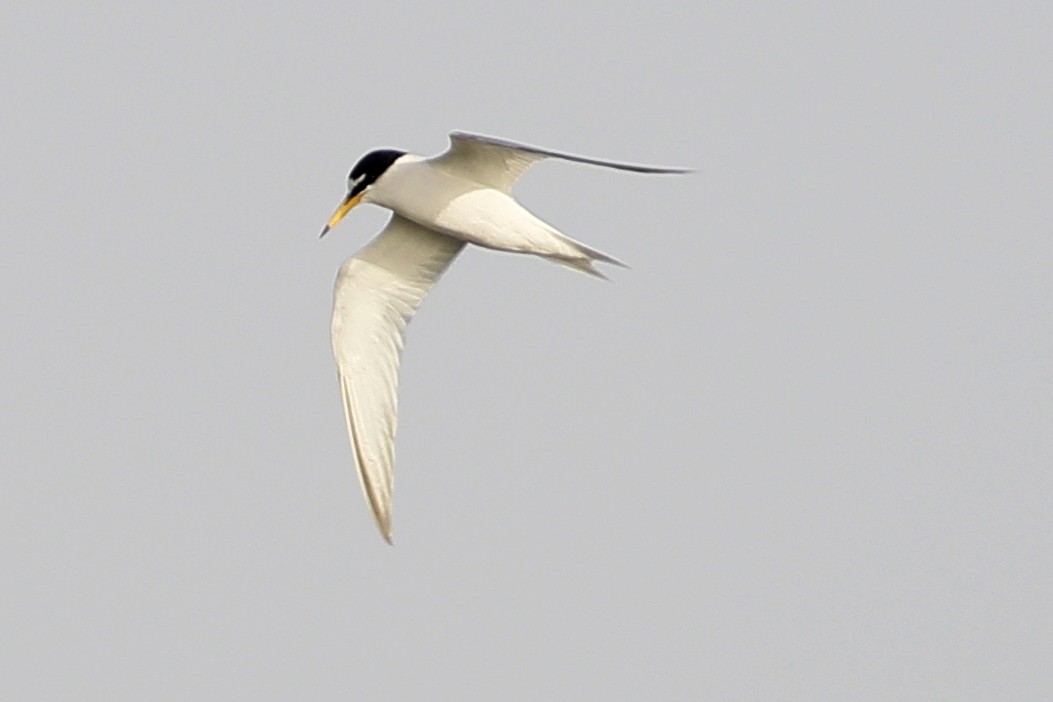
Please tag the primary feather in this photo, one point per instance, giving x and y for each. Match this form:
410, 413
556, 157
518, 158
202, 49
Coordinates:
499, 163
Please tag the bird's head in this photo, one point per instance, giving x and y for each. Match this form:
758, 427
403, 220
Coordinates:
361, 179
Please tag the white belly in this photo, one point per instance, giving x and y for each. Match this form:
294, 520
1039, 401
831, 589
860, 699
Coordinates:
468, 211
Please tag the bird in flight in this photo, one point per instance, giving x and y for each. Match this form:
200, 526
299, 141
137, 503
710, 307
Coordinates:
438, 204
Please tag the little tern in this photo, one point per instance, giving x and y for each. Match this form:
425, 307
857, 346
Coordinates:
439, 204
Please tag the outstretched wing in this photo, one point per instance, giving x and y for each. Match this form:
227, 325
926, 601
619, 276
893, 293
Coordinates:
376, 294
498, 163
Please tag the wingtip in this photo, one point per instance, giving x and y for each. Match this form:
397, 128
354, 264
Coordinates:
384, 525
668, 170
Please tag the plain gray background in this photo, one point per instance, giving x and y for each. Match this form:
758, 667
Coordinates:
800, 451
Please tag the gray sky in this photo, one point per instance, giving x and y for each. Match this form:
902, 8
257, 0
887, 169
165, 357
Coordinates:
800, 451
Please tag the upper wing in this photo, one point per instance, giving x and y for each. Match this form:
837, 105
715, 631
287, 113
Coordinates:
377, 291
498, 163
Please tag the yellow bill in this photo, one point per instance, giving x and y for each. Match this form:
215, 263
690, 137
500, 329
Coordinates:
345, 207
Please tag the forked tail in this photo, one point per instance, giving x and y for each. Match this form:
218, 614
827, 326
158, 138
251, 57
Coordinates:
585, 262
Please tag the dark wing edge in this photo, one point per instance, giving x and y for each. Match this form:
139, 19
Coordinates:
460, 136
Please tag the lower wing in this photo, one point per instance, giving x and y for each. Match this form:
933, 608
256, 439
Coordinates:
376, 294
